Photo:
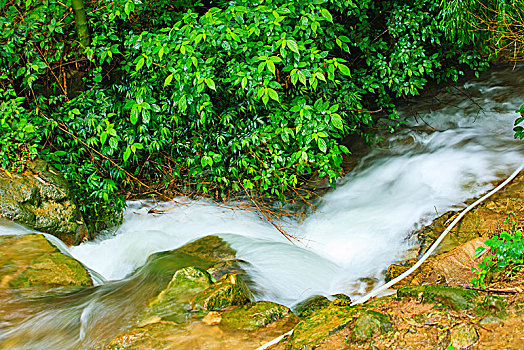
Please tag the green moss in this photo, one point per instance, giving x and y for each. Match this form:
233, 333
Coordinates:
253, 316
30, 261
53, 270
316, 328
457, 298
369, 324
172, 304
230, 290
311, 305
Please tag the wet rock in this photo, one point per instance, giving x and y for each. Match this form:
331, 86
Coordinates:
172, 304
203, 253
230, 290
210, 248
30, 261
41, 199
234, 266
463, 336
309, 306
341, 300
257, 315
370, 324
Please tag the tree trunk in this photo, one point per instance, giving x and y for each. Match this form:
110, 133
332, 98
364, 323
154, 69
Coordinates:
81, 22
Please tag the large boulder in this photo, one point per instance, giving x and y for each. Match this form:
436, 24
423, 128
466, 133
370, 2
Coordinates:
41, 199
30, 261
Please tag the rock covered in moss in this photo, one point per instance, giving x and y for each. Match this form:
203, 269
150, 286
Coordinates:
257, 315
204, 253
369, 324
309, 306
463, 336
172, 304
230, 290
209, 248
41, 199
30, 261
233, 266
456, 298
316, 328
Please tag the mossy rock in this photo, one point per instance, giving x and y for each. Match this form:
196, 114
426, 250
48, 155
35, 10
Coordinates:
370, 324
319, 326
456, 298
463, 336
311, 305
341, 300
41, 199
172, 304
150, 336
30, 261
230, 290
234, 266
197, 253
209, 248
257, 315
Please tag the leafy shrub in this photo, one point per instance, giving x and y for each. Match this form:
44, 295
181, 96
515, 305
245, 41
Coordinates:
214, 97
506, 248
519, 130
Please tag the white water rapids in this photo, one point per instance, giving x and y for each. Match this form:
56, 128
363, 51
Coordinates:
458, 146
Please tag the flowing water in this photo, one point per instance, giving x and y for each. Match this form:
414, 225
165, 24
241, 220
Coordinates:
454, 147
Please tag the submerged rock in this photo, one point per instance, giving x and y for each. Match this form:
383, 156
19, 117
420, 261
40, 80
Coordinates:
230, 290
41, 199
30, 261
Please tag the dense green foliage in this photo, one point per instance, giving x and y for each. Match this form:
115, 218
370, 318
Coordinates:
505, 249
212, 97
494, 26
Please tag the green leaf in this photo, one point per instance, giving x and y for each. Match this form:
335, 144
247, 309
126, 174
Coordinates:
140, 64
127, 153
134, 115
168, 80
210, 83
344, 69
271, 66
273, 94
322, 146
103, 137
336, 121
301, 77
325, 13
182, 103
293, 46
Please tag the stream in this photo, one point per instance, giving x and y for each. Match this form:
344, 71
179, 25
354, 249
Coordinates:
454, 147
